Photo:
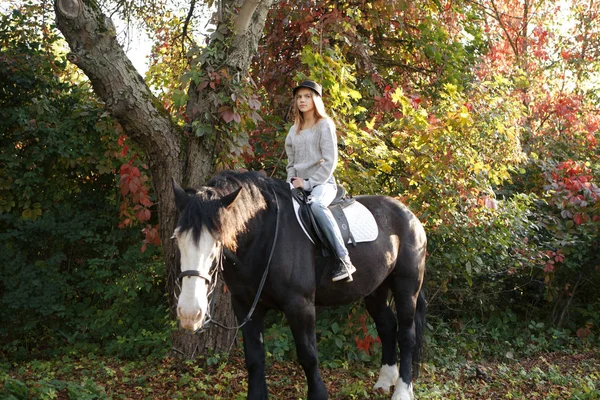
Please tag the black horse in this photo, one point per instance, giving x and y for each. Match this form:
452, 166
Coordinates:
268, 258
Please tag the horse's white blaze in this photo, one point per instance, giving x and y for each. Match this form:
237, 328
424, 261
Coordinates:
193, 299
403, 391
388, 375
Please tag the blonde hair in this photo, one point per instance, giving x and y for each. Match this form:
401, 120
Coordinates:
319, 111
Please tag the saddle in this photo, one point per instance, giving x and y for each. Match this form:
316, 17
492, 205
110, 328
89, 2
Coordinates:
341, 201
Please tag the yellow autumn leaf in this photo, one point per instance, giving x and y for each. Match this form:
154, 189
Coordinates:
370, 124
397, 96
385, 167
355, 94
478, 167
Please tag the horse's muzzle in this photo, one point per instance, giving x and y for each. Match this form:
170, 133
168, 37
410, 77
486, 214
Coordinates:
190, 320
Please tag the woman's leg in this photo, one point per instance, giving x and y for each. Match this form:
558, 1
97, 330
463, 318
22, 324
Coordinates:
322, 196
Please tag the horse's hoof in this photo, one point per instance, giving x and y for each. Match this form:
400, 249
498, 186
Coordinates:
382, 387
388, 375
403, 391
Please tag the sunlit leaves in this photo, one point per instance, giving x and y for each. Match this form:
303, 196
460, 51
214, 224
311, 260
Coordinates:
457, 150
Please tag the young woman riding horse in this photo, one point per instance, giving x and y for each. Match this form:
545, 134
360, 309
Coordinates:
244, 225
311, 147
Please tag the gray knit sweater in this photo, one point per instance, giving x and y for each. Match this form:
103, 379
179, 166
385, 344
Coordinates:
312, 153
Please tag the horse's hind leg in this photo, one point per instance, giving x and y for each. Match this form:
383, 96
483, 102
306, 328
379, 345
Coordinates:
385, 321
254, 350
406, 295
301, 317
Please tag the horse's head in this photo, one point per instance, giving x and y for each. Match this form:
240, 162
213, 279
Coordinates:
199, 237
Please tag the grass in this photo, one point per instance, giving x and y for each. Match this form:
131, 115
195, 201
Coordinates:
558, 375
467, 361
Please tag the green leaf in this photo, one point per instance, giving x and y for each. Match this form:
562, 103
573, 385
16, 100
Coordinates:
180, 97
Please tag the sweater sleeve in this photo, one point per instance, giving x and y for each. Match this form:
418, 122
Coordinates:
289, 150
329, 152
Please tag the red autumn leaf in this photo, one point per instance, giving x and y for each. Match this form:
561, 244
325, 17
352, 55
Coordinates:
202, 85
135, 171
227, 116
145, 200
134, 184
143, 215
583, 332
578, 218
151, 236
124, 189
358, 343
124, 169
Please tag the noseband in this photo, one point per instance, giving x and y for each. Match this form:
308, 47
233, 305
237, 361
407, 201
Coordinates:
208, 276
193, 272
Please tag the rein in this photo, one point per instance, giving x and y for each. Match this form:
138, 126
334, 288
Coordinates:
209, 278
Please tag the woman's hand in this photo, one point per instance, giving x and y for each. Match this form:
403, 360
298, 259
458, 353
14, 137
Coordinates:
297, 182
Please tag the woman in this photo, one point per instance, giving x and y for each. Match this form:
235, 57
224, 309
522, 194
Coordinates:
311, 147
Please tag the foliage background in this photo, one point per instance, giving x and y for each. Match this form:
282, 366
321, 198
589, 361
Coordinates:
482, 118
71, 278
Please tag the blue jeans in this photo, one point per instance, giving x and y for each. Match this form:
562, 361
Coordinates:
322, 196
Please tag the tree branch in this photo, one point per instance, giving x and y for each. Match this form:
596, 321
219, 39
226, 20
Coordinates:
186, 24
242, 20
94, 48
249, 25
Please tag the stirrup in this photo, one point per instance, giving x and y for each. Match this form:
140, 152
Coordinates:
351, 269
343, 274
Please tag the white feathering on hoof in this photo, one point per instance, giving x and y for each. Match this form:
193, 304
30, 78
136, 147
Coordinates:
403, 391
388, 375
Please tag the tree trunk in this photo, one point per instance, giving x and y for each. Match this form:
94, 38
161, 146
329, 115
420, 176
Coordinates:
94, 49
218, 339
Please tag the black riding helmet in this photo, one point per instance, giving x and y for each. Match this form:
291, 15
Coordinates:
314, 86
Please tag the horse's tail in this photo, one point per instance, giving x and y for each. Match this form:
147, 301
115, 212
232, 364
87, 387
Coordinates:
419, 333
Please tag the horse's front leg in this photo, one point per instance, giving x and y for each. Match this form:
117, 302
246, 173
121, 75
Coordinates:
254, 349
300, 314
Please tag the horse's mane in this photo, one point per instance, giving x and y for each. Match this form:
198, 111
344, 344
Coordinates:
204, 207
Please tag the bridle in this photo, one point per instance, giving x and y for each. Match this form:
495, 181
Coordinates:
212, 280
192, 272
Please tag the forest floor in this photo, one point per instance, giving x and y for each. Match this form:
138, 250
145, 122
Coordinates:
545, 376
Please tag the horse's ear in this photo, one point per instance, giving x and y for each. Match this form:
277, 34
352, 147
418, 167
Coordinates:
228, 200
181, 197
